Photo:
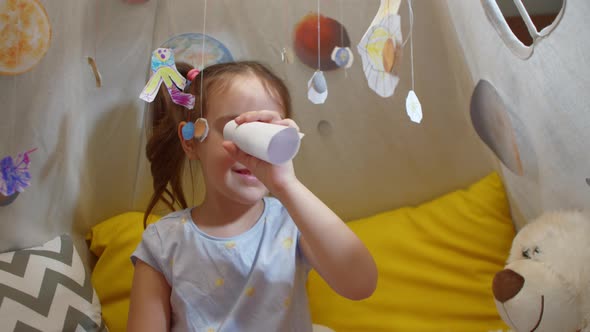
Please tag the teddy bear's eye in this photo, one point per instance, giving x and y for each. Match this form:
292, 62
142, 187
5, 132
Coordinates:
526, 253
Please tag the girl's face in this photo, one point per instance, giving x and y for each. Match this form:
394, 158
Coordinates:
226, 179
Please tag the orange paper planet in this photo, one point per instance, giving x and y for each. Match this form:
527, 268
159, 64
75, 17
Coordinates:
332, 34
25, 34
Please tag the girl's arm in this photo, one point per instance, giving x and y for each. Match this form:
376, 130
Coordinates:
149, 309
326, 241
329, 245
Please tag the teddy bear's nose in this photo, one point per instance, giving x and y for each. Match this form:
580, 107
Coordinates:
506, 285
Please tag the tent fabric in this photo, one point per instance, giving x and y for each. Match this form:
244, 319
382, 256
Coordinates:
548, 101
90, 160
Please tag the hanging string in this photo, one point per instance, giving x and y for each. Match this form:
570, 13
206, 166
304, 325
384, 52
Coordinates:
411, 18
388, 15
319, 63
342, 34
13, 127
411, 11
96, 27
284, 55
171, 20
203, 57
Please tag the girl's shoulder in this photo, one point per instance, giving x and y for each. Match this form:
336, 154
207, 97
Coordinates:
277, 214
274, 207
170, 221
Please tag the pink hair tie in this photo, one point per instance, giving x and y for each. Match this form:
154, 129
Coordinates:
192, 74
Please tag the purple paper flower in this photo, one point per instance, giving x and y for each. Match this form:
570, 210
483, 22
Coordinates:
14, 174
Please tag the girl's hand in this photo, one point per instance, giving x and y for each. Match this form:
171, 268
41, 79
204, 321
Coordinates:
274, 177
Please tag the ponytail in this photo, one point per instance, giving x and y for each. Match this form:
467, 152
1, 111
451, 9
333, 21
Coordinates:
164, 150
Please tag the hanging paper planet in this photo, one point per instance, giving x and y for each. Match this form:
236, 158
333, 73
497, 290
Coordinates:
342, 56
380, 49
188, 47
317, 88
25, 35
332, 34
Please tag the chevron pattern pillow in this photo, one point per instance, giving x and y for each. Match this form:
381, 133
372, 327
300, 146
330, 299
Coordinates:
47, 288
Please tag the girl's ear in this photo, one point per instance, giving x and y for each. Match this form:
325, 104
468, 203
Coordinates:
189, 146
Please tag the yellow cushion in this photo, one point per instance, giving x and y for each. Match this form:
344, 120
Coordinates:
113, 241
436, 263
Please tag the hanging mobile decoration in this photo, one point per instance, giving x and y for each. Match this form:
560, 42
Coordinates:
164, 71
25, 35
287, 55
200, 128
14, 173
380, 49
413, 106
342, 56
317, 87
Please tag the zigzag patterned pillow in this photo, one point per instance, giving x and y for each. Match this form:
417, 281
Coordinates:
47, 288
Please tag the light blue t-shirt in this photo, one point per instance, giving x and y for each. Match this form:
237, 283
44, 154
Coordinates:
252, 282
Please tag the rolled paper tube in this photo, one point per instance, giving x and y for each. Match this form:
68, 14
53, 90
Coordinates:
275, 144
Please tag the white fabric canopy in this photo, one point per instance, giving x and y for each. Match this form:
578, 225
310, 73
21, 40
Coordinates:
90, 163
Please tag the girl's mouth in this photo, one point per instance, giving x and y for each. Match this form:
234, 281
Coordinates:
246, 175
243, 171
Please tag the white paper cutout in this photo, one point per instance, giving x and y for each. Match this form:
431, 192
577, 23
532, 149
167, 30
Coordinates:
317, 88
275, 144
343, 57
386, 8
413, 107
380, 38
287, 55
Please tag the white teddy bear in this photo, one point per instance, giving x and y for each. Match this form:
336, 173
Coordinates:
545, 286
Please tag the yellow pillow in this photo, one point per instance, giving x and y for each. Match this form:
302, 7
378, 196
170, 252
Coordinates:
113, 241
436, 263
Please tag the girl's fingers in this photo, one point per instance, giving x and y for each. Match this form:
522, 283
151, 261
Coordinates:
240, 156
288, 123
264, 116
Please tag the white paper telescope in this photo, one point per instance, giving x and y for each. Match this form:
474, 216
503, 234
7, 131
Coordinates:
275, 144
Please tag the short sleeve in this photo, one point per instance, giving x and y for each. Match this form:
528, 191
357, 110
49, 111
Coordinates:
149, 249
301, 259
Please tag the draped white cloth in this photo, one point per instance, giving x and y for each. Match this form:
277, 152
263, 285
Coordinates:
91, 165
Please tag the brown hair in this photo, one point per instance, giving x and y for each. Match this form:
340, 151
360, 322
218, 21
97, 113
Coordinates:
164, 150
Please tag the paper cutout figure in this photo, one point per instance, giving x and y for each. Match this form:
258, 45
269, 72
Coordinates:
386, 8
317, 88
343, 57
25, 35
199, 129
164, 71
305, 40
275, 144
188, 47
287, 55
97, 76
413, 107
14, 174
379, 50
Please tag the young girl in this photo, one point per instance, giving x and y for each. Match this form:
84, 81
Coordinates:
239, 261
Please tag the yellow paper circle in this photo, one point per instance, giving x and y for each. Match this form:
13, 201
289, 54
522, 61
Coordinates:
25, 35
